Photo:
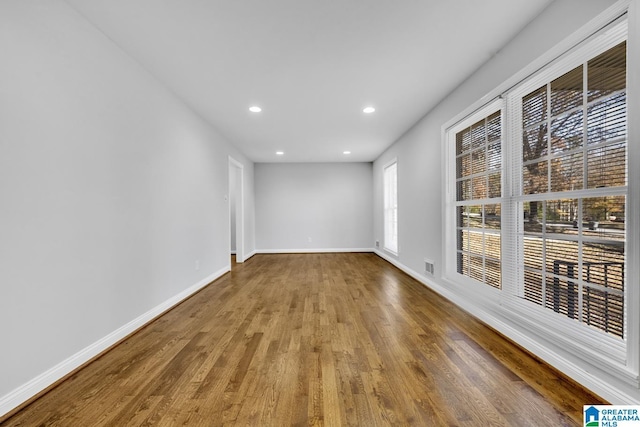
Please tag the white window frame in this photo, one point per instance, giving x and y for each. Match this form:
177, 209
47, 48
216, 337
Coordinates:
390, 207
620, 357
584, 340
452, 203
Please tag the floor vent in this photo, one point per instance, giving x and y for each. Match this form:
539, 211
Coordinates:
429, 266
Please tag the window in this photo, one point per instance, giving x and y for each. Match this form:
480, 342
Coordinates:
478, 191
390, 184
574, 177
539, 215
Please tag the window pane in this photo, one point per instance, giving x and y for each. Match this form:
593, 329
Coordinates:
476, 268
604, 311
479, 187
566, 91
476, 245
460, 217
465, 216
533, 253
607, 119
475, 216
478, 161
493, 275
463, 263
608, 274
603, 264
534, 107
534, 143
607, 166
604, 217
532, 217
535, 178
533, 287
494, 127
562, 257
566, 132
561, 216
478, 135
492, 217
562, 296
495, 185
464, 166
567, 172
617, 212
608, 72
492, 245
463, 240
463, 142
464, 190
494, 155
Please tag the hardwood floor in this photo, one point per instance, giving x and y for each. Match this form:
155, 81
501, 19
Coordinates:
313, 339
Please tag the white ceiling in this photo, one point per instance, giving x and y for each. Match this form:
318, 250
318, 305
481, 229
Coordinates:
312, 65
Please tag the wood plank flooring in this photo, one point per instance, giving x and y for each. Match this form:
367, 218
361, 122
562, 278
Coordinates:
313, 339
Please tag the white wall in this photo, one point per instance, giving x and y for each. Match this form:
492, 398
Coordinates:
329, 204
420, 176
110, 190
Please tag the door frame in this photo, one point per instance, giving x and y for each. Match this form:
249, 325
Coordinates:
237, 168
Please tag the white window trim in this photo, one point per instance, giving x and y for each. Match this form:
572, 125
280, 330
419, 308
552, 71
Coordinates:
450, 245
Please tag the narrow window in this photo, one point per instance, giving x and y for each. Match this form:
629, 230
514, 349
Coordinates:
478, 208
391, 207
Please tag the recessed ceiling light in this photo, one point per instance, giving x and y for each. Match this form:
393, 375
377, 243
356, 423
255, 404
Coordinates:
280, 153
255, 109
368, 110
346, 152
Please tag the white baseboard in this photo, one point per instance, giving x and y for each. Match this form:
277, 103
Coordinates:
611, 392
312, 250
40, 383
240, 260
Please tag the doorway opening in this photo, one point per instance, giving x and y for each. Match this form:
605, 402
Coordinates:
236, 211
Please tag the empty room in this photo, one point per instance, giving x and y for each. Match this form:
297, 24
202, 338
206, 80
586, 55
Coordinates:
297, 212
